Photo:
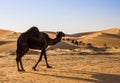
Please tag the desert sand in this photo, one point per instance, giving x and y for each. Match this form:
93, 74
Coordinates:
95, 60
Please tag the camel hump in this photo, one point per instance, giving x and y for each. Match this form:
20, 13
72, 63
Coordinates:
34, 31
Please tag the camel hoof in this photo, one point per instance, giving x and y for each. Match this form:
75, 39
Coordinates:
49, 66
34, 68
21, 70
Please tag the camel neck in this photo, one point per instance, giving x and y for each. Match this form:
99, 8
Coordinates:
54, 41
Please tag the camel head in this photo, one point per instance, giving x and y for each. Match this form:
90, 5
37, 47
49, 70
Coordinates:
60, 34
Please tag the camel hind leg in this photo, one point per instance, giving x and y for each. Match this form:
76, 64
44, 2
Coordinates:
19, 63
19, 59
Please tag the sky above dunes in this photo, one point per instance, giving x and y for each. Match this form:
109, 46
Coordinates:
69, 16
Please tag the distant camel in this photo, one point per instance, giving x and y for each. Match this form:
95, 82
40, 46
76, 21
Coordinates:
35, 39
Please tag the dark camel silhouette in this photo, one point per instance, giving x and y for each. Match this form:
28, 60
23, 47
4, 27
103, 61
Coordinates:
34, 39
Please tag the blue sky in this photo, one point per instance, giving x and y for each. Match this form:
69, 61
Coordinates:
69, 16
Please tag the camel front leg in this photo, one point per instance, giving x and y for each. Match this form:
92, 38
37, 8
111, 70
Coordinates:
46, 59
40, 58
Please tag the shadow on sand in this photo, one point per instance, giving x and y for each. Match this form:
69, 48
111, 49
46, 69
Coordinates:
97, 77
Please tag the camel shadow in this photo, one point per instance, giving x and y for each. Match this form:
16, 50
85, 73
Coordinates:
106, 78
97, 77
2, 56
99, 50
5, 42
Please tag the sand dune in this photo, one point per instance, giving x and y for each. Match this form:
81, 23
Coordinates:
79, 65
63, 45
10, 46
115, 32
81, 34
8, 40
111, 37
4, 33
112, 31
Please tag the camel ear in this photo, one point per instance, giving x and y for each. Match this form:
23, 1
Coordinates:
57, 33
63, 34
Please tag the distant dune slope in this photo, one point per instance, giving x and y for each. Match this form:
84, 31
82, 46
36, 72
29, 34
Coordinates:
110, 37
63, 45
112, 31
4, 33
8, 47
8, 40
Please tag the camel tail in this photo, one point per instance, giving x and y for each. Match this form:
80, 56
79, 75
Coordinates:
19, 49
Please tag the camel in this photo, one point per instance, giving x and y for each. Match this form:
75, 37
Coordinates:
34, 39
